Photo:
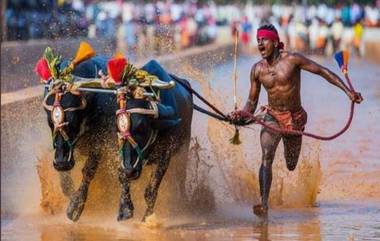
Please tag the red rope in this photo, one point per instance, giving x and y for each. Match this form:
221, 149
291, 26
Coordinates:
295, 132
222, 117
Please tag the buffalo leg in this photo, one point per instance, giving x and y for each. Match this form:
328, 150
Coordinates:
78, 199
66, 182
126, 206
151, 190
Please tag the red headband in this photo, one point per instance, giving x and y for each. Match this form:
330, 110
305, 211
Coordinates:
272, 35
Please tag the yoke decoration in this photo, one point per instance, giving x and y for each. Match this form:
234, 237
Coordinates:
121, 74
48, 66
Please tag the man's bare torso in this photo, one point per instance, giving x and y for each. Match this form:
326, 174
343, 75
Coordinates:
282, 82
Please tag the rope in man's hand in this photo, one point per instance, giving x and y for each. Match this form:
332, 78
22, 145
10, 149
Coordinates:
243, 118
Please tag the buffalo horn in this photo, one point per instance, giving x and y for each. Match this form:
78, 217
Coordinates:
45, 105
158, 84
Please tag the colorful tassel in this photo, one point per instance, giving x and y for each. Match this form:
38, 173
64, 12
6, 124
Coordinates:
84, 52
342, 57
118, 55
42, 69
116, 68
339, 59
346, 57
236, 138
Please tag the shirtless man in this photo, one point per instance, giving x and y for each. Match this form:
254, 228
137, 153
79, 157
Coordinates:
279, 73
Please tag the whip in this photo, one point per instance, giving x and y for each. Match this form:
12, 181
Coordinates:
235, 139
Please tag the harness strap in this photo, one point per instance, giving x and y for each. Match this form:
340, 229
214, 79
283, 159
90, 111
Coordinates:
153, 111
44, 104
136, 147
192, 91
256, 119
82, 106
66, 137
126, 136
152, 139
144, 112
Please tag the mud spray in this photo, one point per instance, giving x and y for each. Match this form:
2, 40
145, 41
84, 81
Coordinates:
216, 171
216, 175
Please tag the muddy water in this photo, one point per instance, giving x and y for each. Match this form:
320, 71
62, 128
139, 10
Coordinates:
334, 193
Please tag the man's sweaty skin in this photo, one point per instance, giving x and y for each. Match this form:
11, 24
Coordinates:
279, 73
280, 76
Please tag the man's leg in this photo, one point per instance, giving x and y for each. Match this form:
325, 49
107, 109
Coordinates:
269, 142
292, 149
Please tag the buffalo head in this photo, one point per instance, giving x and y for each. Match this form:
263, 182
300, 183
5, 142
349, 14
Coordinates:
138, 126
65, 118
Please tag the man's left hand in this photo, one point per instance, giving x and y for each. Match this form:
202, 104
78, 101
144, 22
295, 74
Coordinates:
240, 117
355, 97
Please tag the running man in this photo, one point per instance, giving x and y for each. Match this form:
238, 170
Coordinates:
279, 72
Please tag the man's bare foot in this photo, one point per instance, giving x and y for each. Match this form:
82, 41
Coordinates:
260, 211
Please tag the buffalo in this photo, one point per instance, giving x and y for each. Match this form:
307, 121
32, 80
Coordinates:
150, 130
171, 129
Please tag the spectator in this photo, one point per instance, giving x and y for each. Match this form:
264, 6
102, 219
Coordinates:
193, 29
322, 38
358, 34
184, 32
357, 13
302, 37
211, 30
234, 28
337, 32
346, 16
313, 34
130, 36
246, 27
373, 16
166, 23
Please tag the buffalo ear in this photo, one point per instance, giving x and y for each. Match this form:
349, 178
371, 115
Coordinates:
165, 124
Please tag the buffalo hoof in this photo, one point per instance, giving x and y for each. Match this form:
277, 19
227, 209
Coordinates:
148, 212
76, 205
124, 214
260, 211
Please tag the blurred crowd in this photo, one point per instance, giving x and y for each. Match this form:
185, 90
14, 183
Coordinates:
311, 29
168, 25
161, 26
35, 19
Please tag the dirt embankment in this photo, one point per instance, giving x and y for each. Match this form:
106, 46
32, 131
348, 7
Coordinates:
19, 58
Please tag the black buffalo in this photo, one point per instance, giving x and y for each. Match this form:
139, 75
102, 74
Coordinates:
71, 116
173, 127
156, 138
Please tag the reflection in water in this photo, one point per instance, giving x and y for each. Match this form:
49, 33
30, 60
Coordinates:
331, 222
235, 223
343, 221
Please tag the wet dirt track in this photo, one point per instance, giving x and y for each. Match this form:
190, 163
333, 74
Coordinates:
333, 195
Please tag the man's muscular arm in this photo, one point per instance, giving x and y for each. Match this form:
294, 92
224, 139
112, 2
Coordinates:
254, 91
311, 66
250, 107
